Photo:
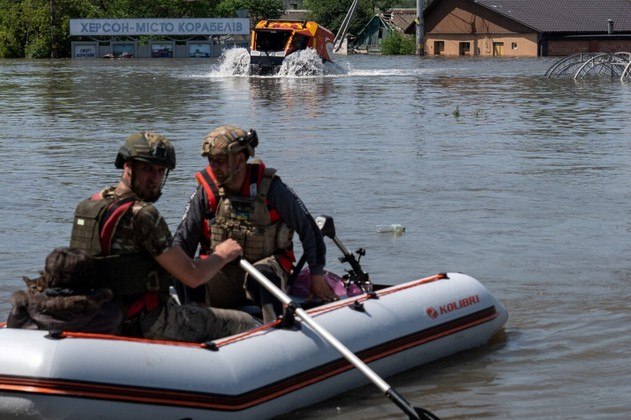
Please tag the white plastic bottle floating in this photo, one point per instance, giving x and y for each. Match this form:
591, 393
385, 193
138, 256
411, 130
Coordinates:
394, 228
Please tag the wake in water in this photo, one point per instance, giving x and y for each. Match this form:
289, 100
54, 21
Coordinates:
236, 62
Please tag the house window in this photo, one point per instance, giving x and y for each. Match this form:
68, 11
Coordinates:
439, 47
464, 48
513, 46
498, 49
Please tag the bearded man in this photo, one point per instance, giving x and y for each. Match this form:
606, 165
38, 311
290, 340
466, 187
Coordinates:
135, 255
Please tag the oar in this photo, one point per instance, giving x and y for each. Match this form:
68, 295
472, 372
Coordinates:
413, 412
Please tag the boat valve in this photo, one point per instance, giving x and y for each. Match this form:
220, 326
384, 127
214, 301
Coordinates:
358, 306
55, 335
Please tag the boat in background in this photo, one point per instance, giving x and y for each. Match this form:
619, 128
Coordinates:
273, 40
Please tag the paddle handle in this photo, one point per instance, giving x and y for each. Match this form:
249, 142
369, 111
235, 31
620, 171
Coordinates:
341, 348
350, 356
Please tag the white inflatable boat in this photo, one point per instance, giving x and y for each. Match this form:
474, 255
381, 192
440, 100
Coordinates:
277, 368
258, 374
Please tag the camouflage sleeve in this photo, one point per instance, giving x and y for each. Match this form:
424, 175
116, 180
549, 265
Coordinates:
151, 230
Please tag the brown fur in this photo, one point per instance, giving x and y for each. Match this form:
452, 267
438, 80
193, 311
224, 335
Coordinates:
54, 304
68, 267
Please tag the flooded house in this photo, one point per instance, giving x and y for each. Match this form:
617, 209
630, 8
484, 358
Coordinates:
526, 28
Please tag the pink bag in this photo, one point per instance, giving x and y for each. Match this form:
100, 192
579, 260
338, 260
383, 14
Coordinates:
302, 285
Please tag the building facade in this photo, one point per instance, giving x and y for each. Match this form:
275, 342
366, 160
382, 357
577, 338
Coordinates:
526, 28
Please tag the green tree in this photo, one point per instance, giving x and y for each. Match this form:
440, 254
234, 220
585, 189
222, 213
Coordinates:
397, 43
331, 13
12, 31
25, 25
259, 9
66, 10
126, 9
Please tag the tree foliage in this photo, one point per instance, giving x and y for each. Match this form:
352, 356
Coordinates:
331, 13
397, 43
259, 9
26, 30
126, 9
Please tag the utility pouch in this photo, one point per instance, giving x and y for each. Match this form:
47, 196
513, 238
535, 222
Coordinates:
86, 225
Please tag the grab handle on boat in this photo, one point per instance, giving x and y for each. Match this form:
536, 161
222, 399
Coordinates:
413, 412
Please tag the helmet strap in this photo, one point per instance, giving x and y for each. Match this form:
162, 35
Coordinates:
128, 182
164, 180
233, 160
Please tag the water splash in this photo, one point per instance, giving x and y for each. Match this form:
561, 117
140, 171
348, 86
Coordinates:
303, 63
234, 62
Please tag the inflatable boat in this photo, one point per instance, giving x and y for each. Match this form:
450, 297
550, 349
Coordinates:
300, 359
258, 374
273, 40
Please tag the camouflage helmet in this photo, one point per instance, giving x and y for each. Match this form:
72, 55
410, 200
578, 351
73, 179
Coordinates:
229, 139
147, 147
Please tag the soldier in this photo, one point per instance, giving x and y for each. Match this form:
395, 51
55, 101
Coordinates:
135, 257
249, 203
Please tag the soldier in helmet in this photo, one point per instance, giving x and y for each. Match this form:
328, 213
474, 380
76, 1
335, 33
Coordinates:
249, 203
132, 246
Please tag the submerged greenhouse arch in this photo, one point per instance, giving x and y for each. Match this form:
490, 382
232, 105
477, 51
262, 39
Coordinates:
584, 65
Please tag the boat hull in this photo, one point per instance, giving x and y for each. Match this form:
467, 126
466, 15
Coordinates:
259, 374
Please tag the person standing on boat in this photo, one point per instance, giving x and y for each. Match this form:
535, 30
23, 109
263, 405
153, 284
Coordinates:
249, 203
135, 256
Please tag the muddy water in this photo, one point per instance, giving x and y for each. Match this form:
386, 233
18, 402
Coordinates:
517, 180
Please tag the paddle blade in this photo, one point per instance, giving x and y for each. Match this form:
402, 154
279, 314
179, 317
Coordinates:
415, 413
424, 414
326, 225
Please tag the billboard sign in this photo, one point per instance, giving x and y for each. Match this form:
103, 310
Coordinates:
132, 27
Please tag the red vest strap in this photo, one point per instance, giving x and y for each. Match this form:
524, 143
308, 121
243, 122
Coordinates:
147, 302
110, 220
207, 180
255, 175
286, 259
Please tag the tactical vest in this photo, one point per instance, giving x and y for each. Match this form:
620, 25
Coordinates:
94, 224
248, 219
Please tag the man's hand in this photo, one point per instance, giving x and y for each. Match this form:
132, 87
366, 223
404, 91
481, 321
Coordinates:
321, 290
228, 250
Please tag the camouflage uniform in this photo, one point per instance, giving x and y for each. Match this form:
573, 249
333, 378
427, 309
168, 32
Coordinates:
143, 228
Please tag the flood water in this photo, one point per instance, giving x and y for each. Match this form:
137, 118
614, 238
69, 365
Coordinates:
520, 181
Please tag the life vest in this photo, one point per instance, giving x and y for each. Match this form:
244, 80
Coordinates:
136, 274
248, 219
